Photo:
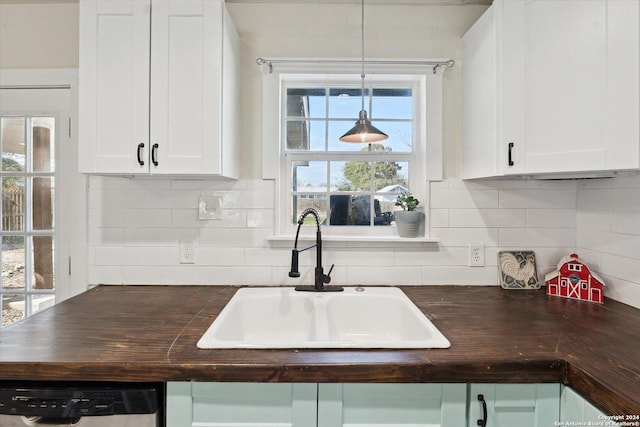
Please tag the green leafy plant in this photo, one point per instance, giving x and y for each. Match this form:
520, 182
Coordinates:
406, 201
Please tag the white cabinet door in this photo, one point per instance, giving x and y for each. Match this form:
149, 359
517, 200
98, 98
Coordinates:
508, 405
425, 405
114, 85
575, 410
563, 90
556, 73
241, 404
186, 76
569, 97
479, 109
152, 98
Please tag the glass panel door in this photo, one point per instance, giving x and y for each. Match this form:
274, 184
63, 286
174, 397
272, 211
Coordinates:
27, 143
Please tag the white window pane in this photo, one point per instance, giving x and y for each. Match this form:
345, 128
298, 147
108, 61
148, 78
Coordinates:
392, 104
13, 308
346, 103
400, 135
351, 176
13, 203
13, 264
43, 134
309, 176
43, 272
42, 205
306, 103
301, 202
14, 144
391, 177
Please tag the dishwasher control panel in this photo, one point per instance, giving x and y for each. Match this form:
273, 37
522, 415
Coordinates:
78, 401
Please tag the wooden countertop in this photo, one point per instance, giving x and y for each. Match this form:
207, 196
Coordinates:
149, 333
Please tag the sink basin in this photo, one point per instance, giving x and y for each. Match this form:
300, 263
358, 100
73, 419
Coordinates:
358, 317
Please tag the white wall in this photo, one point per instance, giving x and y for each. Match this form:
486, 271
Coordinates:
38, 35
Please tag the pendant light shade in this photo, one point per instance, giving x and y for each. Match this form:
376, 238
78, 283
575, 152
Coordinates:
363, 131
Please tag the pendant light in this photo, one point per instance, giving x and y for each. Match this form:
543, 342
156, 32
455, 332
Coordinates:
363, 131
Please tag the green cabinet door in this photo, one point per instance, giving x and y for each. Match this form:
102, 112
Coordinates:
415, 405
211, 404
508, 405
575, 410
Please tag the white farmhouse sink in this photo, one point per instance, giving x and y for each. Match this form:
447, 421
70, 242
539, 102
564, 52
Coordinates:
358, 317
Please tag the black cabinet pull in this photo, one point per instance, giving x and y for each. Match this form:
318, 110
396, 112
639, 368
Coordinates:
483, 421
154, 155
140, 147
510, 151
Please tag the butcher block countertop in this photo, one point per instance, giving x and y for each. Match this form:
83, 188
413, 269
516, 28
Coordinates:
149, 333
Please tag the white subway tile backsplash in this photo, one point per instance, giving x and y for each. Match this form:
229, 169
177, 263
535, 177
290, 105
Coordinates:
158, 236
135, 226
260, 218
594, 220
537, 237
217, 256
624, 245
439, 218
463, 198
464, 236
538, 198
235, 237
621, 267
537, 218
382, 275
459, 275
486, 218
625, 222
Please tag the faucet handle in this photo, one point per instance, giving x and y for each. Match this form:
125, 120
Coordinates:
326, 278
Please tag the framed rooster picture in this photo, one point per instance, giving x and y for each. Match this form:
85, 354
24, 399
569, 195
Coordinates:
517, 270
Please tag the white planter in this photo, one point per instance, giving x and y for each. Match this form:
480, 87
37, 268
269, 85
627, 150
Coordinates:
408, 222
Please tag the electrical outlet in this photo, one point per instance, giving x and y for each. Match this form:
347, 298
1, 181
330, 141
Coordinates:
476, 254
187, 252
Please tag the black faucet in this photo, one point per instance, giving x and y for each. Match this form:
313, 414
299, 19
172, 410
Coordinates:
320, 277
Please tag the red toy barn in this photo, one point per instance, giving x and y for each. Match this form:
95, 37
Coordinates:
574, 280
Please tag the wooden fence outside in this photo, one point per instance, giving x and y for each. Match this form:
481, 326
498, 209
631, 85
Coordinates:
12, 210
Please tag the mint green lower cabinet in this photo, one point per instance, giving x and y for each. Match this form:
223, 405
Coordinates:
207, 404
386, 405
574, 408
508, 405
314, 405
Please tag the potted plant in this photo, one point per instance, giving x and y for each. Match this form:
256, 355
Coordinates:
408, 219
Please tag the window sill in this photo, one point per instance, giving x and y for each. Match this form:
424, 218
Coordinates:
359, 241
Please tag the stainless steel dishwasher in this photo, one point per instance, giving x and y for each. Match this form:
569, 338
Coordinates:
81, 404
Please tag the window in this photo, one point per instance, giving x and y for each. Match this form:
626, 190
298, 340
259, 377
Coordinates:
352, 186
43, 196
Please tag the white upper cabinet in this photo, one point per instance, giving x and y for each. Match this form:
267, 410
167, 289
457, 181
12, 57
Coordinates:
158, 87
559, 81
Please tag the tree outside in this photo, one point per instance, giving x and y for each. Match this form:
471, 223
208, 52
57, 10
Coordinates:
357, 174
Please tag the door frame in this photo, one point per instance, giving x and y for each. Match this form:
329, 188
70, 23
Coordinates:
71, 259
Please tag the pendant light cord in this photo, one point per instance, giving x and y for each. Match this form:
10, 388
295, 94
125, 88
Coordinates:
362, 75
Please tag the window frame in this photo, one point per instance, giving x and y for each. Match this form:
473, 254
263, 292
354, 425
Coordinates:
427, 155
